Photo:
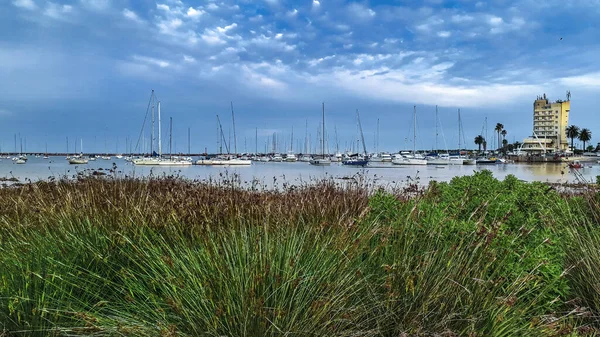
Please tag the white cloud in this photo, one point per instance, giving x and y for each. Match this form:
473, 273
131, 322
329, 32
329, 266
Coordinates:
194, 13
278, 36
461, 18
212, 6
292, 13
444, 34
26, 4
495, 20
169, 27
131, 15
316, 4
218, 35
591, 80
96, 5
189, 59
163, 7
361, 12
57, 11
151, 61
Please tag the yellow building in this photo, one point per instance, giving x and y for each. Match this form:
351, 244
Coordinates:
550, 121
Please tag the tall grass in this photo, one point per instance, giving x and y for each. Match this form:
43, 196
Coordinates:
168, 257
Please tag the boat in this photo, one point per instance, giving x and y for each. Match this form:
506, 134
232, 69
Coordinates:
305, 158
358, 160
414, 158
575, 165
265, 159
291, 158
277, 158
469, 161
486, 161
21, 161
324, 160
78, 160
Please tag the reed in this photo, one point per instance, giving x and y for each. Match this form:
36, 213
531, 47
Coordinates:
172, 257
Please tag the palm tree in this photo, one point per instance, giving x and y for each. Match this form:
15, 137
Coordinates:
499, 127
585, 136
504, 143
479, 140
572, 132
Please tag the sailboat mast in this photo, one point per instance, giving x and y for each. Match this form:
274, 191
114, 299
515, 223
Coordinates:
151, 132
170, 137
255, 140
436, 128
234, 137
414, 130
362, 137
81, 146
377, 142
189, 144
159, 133
323, 134
459, 131
292, 141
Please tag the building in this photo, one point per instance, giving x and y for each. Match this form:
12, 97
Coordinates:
550, 121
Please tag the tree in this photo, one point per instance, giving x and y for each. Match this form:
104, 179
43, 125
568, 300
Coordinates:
585, 135
572, 132
479, 141
499, 127
590, 148
504, 143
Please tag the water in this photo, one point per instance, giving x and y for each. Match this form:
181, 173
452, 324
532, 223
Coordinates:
295, 173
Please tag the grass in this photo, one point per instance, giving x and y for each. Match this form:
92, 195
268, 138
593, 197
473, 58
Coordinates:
171, 257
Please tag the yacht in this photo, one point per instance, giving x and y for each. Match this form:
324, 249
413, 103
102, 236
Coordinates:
291, 157
277, 158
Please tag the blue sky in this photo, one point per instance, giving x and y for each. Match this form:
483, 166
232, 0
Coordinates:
85, 68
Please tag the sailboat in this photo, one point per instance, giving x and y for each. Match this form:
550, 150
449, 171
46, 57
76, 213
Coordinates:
358, 160
465, 160
78, 159
323, 161
291, 157
414, 158
160, 161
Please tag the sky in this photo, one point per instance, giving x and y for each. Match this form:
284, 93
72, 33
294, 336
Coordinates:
85, 69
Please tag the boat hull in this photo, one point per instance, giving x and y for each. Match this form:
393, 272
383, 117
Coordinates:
320, 162
355, 162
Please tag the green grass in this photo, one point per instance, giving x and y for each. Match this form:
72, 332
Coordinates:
169, 257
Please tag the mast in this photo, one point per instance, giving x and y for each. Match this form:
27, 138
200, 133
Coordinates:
223, 137
323, 134
189, 144
306, 147
234, 138
362, 137
377, 142
459, 131
436, 128
414, 130
292, 140
159, 133
255, 141
152, 132
67, 144
81, 146
170, 137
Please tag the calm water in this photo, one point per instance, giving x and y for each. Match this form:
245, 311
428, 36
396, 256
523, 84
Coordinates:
39, 168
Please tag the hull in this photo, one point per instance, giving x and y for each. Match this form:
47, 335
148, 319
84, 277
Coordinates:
469, 162
409, 162
355, 162
320, 162
240, 162
438, 162
77, 161
485, 162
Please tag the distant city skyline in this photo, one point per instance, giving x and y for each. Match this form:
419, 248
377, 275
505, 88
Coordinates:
84, 69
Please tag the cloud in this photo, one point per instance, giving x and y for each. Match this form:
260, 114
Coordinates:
218, 35
26, 4
590, 80
212, 6
131, 15
361, 12
163, 7
96, 5
194, 13
56, 11
151, 61
316, 4
444, 34
189, 59
458, 18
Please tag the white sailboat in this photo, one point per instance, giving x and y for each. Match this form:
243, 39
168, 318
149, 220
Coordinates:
414, 158
160, 161
323, 161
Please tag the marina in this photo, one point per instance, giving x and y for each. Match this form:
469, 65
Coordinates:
383, 173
